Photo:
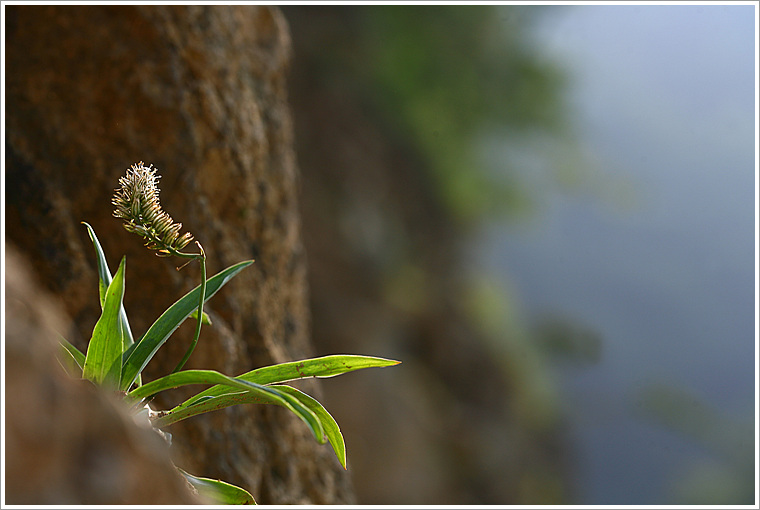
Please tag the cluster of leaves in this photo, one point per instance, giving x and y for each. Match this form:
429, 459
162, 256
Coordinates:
114, 360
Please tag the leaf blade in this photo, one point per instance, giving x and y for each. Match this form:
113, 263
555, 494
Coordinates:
104, 280
102, 363
68, 361
75, 354
330, 426
266, 393
169, 321
219, 492
210, 404
207, 405
326, 366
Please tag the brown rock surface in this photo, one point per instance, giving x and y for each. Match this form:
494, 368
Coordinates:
200, 93
67, 442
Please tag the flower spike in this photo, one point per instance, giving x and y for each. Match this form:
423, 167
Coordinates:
136, 202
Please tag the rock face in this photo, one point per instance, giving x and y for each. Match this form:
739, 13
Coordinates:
67, 442
459, 422
199, 92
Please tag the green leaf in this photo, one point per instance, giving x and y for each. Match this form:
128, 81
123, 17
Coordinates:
104, 280
73, 353
102, 364
219, 492
70, 358
208, 404
204, 320
143, 351
327, 366
330, 426
266, 393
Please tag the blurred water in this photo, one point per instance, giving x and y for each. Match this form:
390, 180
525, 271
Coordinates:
665, 102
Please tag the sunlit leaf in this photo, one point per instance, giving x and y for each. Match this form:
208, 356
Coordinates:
70, 358
208, 404
143, 351
102, 364
74, 353
266, 393
204, 318
330, 426
327, 366
219, 492
104, 280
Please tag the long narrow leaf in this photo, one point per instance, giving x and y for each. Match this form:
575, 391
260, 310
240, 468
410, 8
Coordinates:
102, 364
68, 360
188, 377
327, 366
104, 280
183, 378
219, 492
73, 352
144, 350
332, 430
208, 404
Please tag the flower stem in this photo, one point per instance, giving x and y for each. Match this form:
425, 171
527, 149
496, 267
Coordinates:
202, 258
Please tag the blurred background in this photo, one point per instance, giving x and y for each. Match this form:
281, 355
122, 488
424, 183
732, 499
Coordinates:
548, 214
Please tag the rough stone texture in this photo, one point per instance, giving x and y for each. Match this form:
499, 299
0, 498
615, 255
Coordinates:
200, 93
68, 443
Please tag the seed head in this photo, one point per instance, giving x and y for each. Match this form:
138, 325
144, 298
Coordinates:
136, 202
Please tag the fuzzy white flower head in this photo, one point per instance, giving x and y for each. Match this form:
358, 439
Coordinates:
137, 203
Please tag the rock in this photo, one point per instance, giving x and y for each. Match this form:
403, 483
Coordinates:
199, 92
69, 443
456, 422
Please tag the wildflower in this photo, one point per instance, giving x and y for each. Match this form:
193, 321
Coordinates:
136, 202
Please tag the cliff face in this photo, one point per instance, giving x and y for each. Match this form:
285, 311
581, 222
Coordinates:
199, 92
68, 443
457, 422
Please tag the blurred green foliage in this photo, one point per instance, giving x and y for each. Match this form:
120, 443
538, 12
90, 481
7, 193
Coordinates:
564, 338
449, 80
497, 314
443, 76
433, 85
